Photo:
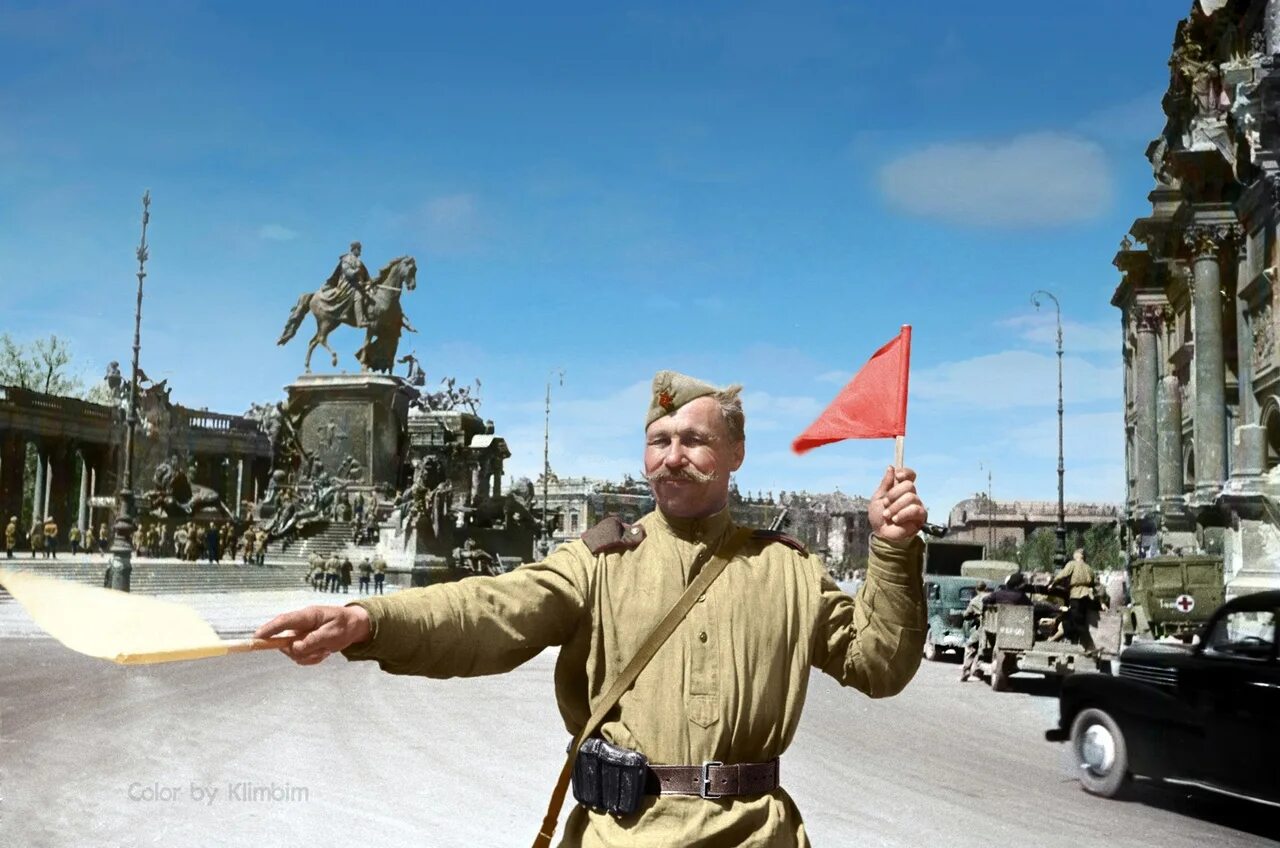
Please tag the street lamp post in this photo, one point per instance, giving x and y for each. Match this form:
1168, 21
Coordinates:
122, 546
1060, 550
546, 460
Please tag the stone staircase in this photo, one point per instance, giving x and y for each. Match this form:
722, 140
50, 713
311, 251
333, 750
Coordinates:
169, 576
334, 538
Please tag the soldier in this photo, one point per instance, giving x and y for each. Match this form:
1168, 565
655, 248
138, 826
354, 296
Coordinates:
973, 620
90, 543
73, 539
10, 536
332, 566
180, 541
379, 573
344, 576
1077, 577
50, 537
35, 537
731, 683
366, 571
260, 546
104, 538
246, 551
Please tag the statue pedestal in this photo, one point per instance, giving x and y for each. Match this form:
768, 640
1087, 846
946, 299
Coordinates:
353, 418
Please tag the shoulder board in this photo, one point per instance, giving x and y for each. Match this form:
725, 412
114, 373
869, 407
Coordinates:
611, 535
779, 536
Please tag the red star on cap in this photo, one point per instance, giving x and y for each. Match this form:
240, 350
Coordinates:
665, 400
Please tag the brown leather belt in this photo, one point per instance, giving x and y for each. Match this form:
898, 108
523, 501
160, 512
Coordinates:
713, 779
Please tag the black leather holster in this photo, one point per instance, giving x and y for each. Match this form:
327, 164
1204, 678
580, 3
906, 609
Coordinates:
609, 778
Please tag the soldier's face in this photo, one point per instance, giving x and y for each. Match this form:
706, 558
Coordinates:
688, 457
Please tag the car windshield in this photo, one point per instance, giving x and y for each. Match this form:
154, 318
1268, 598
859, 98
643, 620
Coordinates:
1250, 633
967, 593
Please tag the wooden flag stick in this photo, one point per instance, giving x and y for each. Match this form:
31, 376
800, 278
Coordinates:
897, 450
241, 646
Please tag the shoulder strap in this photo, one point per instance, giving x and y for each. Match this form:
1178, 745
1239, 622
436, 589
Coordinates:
624, 681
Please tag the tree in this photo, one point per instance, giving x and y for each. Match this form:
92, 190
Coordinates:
1006, 549
1037, 552
44, 365
1102, 548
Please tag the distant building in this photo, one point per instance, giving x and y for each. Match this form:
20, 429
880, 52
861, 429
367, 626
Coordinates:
834, 526
992, 522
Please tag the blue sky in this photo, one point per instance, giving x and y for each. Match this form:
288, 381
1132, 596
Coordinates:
753, 193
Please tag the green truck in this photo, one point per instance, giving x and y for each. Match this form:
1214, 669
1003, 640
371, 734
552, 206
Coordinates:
1171, 597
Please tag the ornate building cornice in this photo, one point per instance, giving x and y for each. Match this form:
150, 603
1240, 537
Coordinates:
1210, 240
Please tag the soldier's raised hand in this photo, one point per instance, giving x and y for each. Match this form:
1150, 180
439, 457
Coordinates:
319, 631
896, 512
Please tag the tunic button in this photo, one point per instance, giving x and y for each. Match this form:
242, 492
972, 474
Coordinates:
702, 637
702, 597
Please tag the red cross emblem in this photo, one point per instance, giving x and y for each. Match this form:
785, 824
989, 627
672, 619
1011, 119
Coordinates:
1185, 603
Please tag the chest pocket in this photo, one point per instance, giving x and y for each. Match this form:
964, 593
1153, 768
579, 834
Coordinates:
702, 649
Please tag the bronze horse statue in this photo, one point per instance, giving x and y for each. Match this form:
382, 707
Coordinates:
335, 305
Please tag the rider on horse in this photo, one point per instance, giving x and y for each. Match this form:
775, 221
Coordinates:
350, 272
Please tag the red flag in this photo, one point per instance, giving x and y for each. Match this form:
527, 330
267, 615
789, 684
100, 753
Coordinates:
874, 403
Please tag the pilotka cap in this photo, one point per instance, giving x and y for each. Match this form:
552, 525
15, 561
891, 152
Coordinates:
672, 390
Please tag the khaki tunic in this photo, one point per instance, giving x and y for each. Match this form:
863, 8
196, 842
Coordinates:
1079, 577
729, 685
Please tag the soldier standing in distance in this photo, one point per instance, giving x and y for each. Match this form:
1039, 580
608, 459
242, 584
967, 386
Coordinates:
50, 537
973, 619
73, 539
10, 536
104, 538
730, 685
366, 571
379, 573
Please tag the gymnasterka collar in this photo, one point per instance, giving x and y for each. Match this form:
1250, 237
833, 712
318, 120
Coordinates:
708, 529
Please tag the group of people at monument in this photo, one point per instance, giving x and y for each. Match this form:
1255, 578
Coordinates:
333, 573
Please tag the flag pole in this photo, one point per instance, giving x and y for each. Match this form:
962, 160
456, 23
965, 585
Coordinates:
904, 376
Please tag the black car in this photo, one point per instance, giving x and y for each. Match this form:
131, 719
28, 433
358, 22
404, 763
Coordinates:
1206, 715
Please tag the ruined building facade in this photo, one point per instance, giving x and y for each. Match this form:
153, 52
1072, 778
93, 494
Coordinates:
1202, 372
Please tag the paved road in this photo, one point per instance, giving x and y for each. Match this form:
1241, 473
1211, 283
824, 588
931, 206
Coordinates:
95, 754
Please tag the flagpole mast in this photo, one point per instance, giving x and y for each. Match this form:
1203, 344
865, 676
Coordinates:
904, 374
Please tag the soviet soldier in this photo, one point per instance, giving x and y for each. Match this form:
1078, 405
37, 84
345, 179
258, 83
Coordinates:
50, 537
35, 537
73, 539
104, 538
10, 536
379, 573
90, 543
333, 567
366, 572
351, 272
973, 620
260, 546
729, 685
1078, 579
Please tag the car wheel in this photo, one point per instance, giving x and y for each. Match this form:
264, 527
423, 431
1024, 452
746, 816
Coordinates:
931, 651
1101, 753
1000, 672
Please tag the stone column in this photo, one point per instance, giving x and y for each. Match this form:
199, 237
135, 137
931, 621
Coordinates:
58, 475
38, 491
82, 517
1146, 376
1169, 442
1206, 242
239, 484
1244, 340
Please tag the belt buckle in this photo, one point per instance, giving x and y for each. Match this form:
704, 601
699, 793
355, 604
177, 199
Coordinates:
704, 785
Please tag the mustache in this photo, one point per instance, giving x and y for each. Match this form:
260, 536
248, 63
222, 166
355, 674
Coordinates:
690, 474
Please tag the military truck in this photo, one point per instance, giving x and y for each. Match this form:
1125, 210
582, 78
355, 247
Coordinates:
1172, 596
1019, 637
946, 598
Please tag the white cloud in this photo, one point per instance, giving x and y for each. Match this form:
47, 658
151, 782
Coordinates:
1130, 122
1042, 329
276, 232
1015, 378
1039, 179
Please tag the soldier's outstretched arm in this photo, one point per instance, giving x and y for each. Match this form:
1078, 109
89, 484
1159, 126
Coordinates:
874, 642
320, 631
480, 625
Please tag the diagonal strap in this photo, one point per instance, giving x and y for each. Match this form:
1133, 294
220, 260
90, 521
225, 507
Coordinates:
624, 681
